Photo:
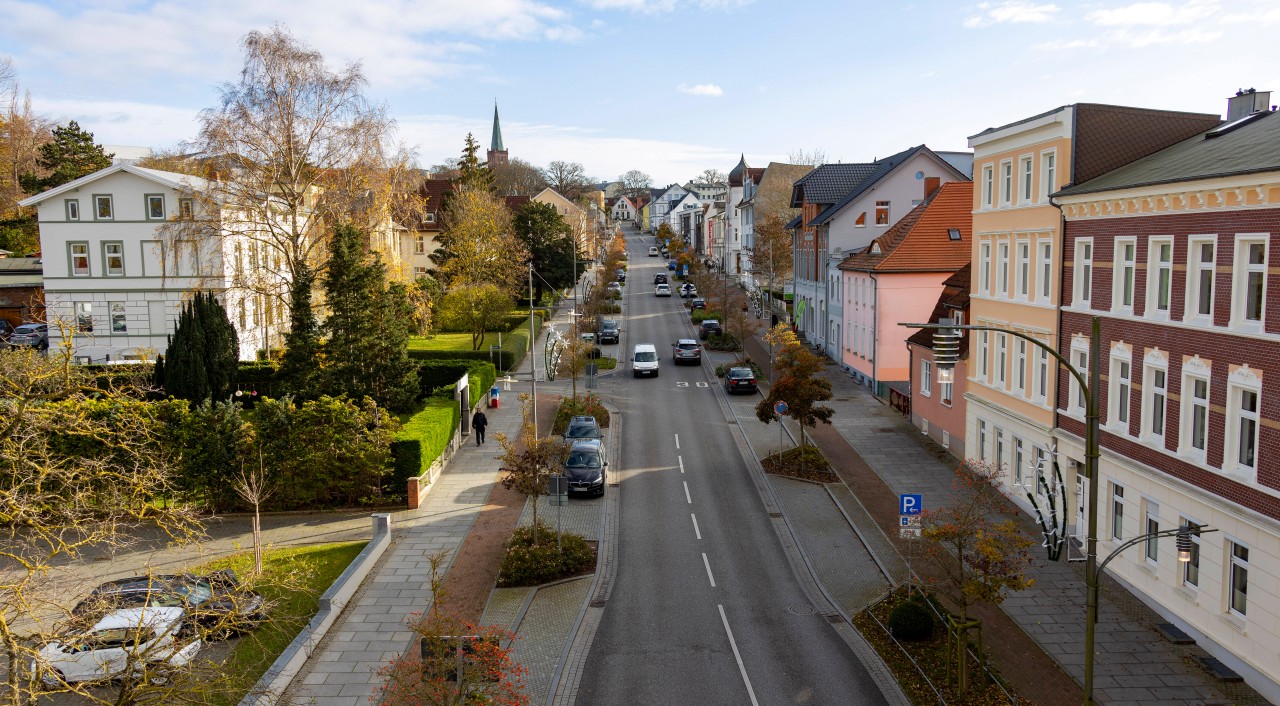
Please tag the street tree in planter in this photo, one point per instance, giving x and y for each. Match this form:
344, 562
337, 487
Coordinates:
203, 354
797, 381
529, 460
981, 558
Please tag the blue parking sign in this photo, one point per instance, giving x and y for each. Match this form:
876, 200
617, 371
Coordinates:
910, 503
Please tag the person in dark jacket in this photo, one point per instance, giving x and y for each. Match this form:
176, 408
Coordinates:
479, 422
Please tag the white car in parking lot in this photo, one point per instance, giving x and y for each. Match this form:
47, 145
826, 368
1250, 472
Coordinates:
147, 642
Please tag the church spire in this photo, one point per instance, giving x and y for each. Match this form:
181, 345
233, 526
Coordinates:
496, 143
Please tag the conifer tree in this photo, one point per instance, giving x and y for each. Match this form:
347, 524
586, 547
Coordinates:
369, 326
471, 171
300, 366
204, 350
71, 155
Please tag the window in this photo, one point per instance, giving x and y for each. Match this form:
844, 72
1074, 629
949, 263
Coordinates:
1042, 374
1125, 271
186, 209
1084, 271
113, 255
1242, 427
1019, 458
1002, 269
1195, 392
1159, 277
1249, 282
1239, 594
238, 262
1121, 376
1191, 569
1002, 357
1152, 525
1039, 469
73, 209
1049, 171
155, 207
1117, 511
1025, 169
1044, 270
984, 268
861, 221
118, 323
946, 392
257, 307
1155, 390
926, 377
982, 439
988, 185
984, 337
1200, 269
1022, 273
84, 317
999, 434
1080, 361
242, 317
80, 259
1006, 183
882, 213
102, 208
419, 245
1020, 367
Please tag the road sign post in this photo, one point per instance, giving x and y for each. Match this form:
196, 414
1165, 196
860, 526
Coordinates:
558, 490
780, 409
910, 505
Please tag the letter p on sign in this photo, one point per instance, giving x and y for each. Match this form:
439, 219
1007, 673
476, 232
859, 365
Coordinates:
910, 503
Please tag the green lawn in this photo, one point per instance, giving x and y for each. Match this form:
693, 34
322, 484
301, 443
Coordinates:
293, 580
450, 342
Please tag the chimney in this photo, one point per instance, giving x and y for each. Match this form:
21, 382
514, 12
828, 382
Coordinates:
931, 186
1246, 102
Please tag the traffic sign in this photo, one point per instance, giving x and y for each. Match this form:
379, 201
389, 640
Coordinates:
908, 532
909, 521
910, 503
780, 407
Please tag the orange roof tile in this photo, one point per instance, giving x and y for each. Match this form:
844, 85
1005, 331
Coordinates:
920, 241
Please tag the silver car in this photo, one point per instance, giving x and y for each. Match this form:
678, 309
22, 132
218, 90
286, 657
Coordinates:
32, 335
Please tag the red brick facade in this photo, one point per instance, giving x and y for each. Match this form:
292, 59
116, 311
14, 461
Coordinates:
1218, 345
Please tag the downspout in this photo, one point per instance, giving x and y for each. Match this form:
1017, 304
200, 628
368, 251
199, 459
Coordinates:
875, 333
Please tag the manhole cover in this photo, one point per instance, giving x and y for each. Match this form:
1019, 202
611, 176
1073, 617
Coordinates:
800, 609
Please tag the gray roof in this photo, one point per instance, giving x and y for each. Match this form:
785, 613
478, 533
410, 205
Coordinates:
793, 223
882, 169
830, 182
1247, 146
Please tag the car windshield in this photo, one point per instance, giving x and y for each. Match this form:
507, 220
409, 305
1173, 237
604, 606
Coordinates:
646, 357
581, 430
741, 373
687, 346
27, 329
583, 459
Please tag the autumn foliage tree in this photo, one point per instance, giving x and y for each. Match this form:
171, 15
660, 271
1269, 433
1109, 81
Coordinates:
478, 243
981, 557
476, 309
529, 460
797, 381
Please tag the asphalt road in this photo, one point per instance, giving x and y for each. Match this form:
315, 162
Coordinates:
705, 608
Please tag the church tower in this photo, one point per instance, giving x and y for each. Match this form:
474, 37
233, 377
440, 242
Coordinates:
497, 153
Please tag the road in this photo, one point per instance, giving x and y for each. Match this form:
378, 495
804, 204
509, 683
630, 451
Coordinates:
705, 608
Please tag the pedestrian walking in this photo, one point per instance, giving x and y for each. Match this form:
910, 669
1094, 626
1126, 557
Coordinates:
479, 422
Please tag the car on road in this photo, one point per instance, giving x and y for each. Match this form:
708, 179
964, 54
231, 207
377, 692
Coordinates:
709, 327
653, 251
31, 335
644, 360
660, 278
686, 350
698, 303
662, 290
214, 602
583, 426
739, 380
688, 289
148, 642
586, 467
608, 331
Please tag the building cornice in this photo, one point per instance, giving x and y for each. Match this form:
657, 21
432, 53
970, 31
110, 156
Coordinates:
1247, 191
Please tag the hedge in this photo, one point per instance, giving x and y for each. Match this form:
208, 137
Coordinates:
422, 438
435, 374
514, 346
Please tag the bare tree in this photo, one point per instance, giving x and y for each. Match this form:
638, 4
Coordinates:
517, 178
568, 178
635, 183
22, 132
254, 487
816, 158
711, 176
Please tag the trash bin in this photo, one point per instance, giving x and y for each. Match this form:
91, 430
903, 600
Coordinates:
493, 397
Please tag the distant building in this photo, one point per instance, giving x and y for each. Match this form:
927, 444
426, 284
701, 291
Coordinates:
497, 153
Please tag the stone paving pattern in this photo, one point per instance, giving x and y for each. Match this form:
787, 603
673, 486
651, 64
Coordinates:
544, 632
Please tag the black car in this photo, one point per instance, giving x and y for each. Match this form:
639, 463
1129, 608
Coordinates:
585, 467
698, 303
215, 603
583, 426
608, 332
739, 380
709, 327
660, 278
620, 274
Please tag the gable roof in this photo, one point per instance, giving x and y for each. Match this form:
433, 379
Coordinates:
829, 183
172, 180
884, 167
1246, 146
920, 241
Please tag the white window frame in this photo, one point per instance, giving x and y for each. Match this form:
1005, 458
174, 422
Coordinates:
1002, 360
1019, 457
112, 250
1079, 361
1048, 173
1083, 274
998, 454
1190, 574
1237, 572
1006, 182
988, 186
982, 440
72, 209
1027, 182
1186, 418
1155, 401
1159, 277
84, 317
1198, 270
1002, 268
1116, 514
984, 357
1022, 270
1242, 275
1044, 270
1020, 365
984, 268
419, 245
118, 316
79, 249
98, 199
1041, 381
186, 208
1120, 390
1125, 275
147, 203
1242, 382
926, 377
1151, 525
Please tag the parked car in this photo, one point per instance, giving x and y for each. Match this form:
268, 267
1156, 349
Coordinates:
6, 328
33, 335
739, 380
583, 426
653, 251
585, 467
671, 265
149, 641
698, 303
686, 350
615, 287
660, 278
589, 339
608, 331
212, 602
620, 275
709, 327
662, 290
688, 289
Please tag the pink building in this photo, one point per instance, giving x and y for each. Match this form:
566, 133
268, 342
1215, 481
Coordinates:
937, 409
898, 278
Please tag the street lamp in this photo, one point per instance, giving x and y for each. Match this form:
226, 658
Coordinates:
947, 352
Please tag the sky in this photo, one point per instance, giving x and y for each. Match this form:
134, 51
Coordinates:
669, 87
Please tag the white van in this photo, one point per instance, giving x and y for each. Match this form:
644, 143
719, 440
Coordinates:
644, 360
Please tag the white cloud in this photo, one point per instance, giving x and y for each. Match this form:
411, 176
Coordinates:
702, 89
1135, 39
1011, 12
120, 122
653, 7
1158, 14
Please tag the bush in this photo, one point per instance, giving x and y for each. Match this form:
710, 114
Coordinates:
433, 375
609, 308
582, 404
911, 621
422, 439
804, 462
724, 368
529, 564
700, 315
514, 347
722, 342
